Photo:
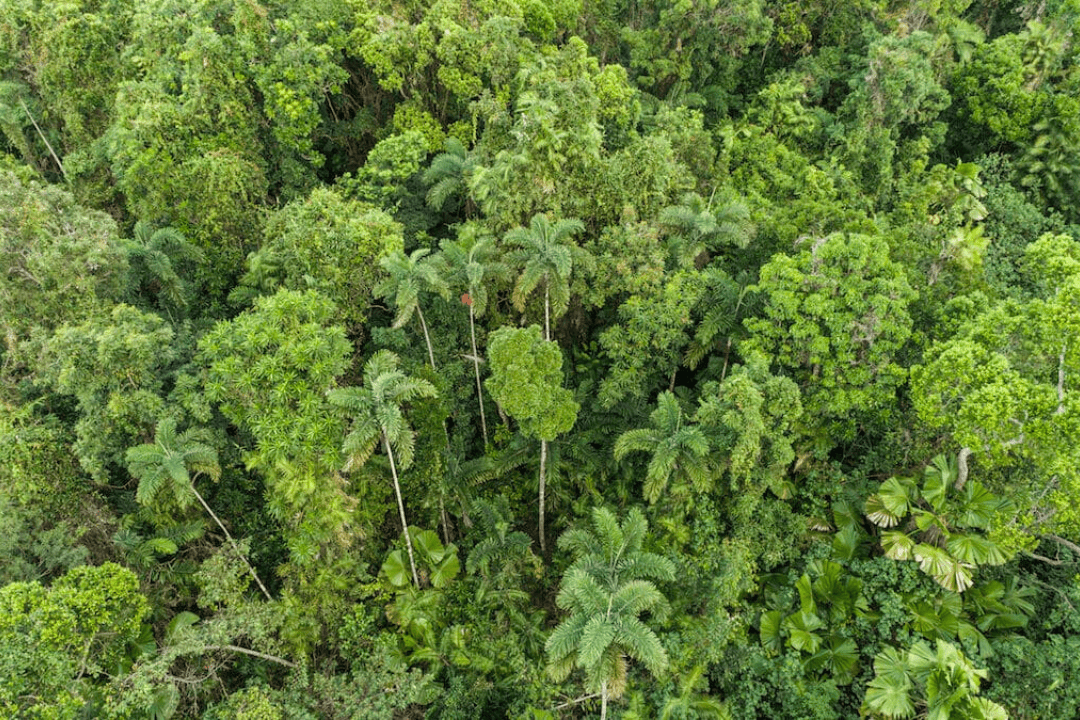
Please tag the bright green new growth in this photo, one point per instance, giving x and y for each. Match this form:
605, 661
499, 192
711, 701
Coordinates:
606, 590
526, 381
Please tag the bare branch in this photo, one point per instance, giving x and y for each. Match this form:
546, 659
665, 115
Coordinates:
576, 701
252, 653
1043, 558
1067, 543
44, 139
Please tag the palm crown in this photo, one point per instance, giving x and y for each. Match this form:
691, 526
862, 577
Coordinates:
606, 590
378, 415
547, 258
678, 449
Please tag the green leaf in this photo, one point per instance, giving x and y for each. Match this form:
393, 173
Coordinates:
806, 594
889, 692
879, 514
396, 569
769, 629
897, 545
179, 625
801, 628
976, 550
428, 544
949, 572
447, 570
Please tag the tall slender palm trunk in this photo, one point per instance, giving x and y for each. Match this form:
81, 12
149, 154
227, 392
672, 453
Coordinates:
547, 313
603, 700
543, 463
427, 338
401, 509
476, 367
232, 542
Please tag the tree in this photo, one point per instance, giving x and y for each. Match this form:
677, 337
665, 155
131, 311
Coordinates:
323, 242
526, 381
471, 265
268, 370
62, 263
448, 176
1000, 386
378, 413
57, 639
166, 466
695, 226
411, 275
835, 318
152, 256
548, 259
678, 449
605, 590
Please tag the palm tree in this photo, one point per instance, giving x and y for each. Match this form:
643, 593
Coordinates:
167, 464
470, 264
448, 176
410, 275
695, 226
605, 590
547, 258
678, 449
378, 417
152, 255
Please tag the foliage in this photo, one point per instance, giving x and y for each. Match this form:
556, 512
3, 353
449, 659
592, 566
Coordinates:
835, 319
324, 243
788, 250
948, 682
607, 587
59, 638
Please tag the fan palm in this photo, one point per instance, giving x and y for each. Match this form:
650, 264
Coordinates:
547, 257
606, 590
678, 449
170, 464
378, 412
410, 275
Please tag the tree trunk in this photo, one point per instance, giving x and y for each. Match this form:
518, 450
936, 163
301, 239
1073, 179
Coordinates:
476, 366
547, 314
603, 700
232, 542
427, 338
401, 509
543, 461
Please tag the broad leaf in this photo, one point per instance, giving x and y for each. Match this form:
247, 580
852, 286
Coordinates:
897, 545
396, 569
769, 629
801, 628
447, 570
976, 550
889, 692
